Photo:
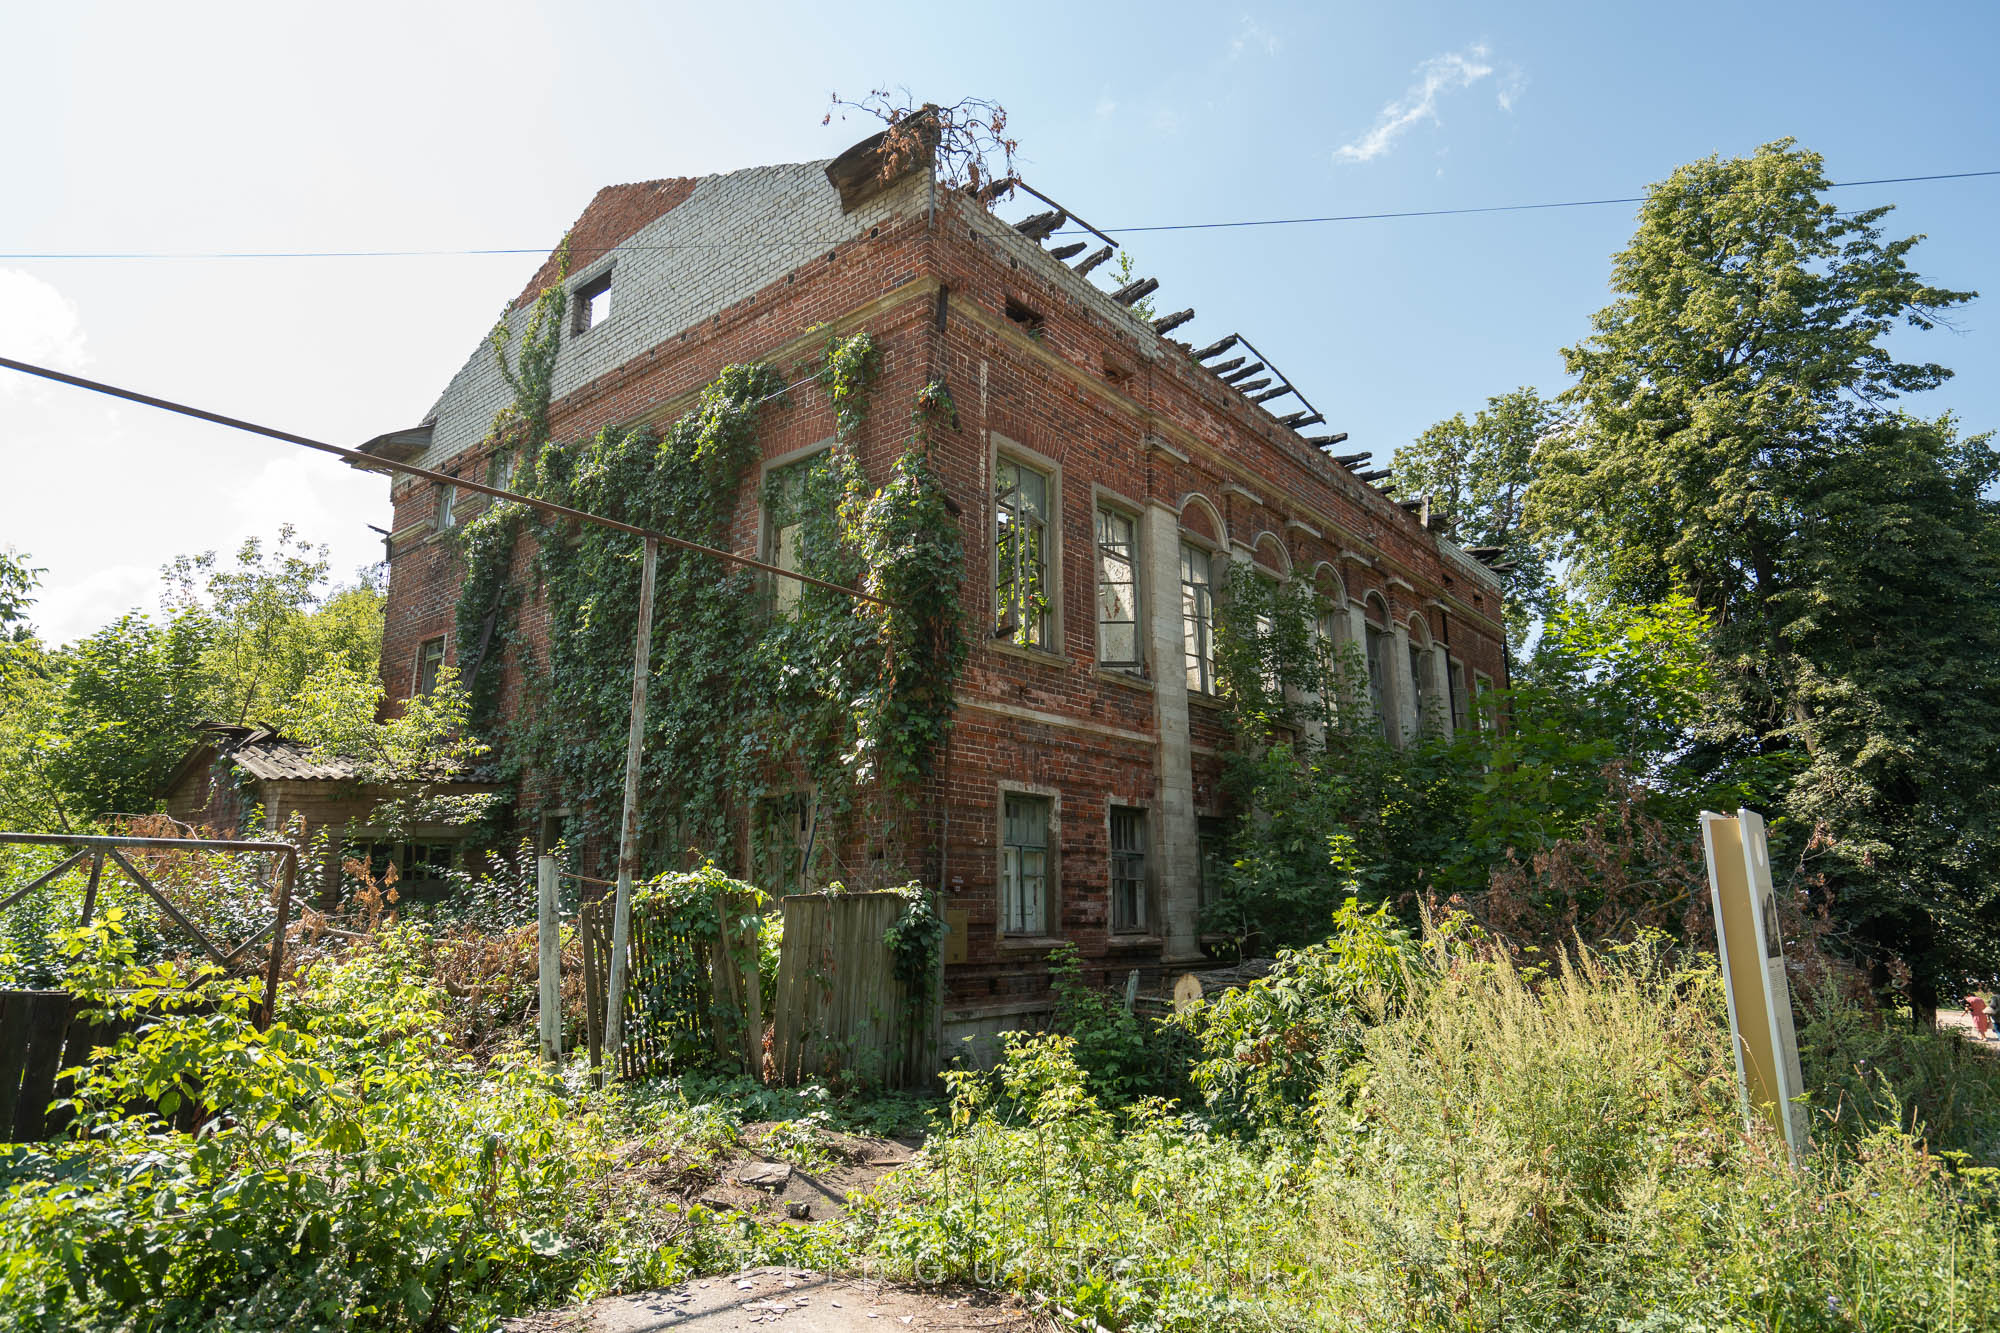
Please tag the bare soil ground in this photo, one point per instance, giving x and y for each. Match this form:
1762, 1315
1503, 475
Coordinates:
776, 1180
789, 1298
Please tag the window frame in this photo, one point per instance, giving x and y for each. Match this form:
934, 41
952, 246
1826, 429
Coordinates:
1378, 641
1459, 688
1030, 930
419, 688
1011, 452
784, 593
1482, 685
1201, 679
444, 516
583, 297
1138, 876
1104, 506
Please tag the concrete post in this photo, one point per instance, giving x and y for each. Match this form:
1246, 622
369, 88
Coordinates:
1404, 708
549, 937
1180, 847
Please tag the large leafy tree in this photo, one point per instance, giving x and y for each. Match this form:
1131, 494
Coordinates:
1735, 443
1479, 472
275, 625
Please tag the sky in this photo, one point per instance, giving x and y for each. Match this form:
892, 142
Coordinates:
199, 128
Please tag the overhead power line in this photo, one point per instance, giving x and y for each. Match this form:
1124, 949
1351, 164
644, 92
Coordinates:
24, 256
371, 463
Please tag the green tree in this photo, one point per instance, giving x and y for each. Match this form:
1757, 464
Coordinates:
1479, 473
128, 699
274, 624
1890, 625
1734, 443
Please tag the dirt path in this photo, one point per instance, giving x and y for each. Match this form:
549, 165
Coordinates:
787, 1298
1958, 1018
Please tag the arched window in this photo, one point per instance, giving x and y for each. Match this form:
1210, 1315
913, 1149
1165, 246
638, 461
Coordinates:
1377, 649
1423, 676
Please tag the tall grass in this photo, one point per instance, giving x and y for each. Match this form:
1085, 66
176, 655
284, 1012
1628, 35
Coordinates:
1560, 1151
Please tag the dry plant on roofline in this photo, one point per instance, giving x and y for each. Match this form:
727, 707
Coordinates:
968, 138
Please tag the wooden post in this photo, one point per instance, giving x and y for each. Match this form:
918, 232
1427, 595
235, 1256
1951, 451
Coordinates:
277, 964
90, 889
628, 845
549, 930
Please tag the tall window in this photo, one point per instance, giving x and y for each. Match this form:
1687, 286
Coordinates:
1482, 685
1454, 680
784, 526
1128, 868
1024, 865
1212, 854
500, 469
1021, 547
1377, 649
446, 517
430, 660
1198, 619
1117, 589
1420, 681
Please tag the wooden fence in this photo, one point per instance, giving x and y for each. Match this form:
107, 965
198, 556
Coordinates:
840, 1009
42, 1033
686, 1001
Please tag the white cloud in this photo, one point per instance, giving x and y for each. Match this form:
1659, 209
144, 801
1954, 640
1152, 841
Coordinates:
39, 324
1106, 105
1450, 72
1253, 36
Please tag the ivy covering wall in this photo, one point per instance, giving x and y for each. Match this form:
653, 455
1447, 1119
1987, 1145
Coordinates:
808, 715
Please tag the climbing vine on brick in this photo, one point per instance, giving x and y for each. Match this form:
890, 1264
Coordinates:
757, 688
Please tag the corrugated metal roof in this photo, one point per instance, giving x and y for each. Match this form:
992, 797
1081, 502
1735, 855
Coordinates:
265, 754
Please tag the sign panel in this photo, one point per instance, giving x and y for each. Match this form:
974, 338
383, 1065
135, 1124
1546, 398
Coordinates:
1753, 971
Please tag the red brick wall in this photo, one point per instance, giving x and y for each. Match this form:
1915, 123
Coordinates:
1089, 394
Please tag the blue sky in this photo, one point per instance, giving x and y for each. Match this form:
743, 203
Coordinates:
205, 127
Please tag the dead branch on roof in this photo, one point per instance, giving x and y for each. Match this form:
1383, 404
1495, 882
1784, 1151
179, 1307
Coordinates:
967, 139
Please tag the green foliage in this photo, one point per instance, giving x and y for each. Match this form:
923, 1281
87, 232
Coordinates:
1734, 442
121, 715
1270, 1053
1505, 1152
273, 626
916, 949
753, 693
1479, 473
1123, 1057
347, 1173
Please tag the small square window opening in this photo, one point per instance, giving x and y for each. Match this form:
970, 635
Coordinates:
592, 304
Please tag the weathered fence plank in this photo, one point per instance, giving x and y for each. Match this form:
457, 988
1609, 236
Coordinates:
840, 1009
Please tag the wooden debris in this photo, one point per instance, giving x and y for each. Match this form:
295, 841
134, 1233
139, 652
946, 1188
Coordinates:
1167, 323
1328, 441
1252, 386
1299, 419
1222, 367
1065, 251
1096, 257
1218, 348
1412, 505
1244, 373
1039, 226
1278, 392
1133, 292
1375, 475
1351, 460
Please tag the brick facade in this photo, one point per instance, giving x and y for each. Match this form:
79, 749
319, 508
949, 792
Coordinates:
744, 267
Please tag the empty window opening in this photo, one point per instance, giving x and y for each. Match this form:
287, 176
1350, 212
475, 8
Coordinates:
1128, 869
1020, 543
1117, 589
591, 304
1024, 865
1377, 649
1212, 859
421, 867
1454, 680
430, 661
1198, 619
787, 508
1026, 318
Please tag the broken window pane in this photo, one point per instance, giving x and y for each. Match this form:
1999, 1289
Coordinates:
1197, 619
786, 500
430, 660
1024, 865
1117, 589
1020, 541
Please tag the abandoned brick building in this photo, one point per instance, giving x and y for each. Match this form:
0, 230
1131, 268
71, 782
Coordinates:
1083, 782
